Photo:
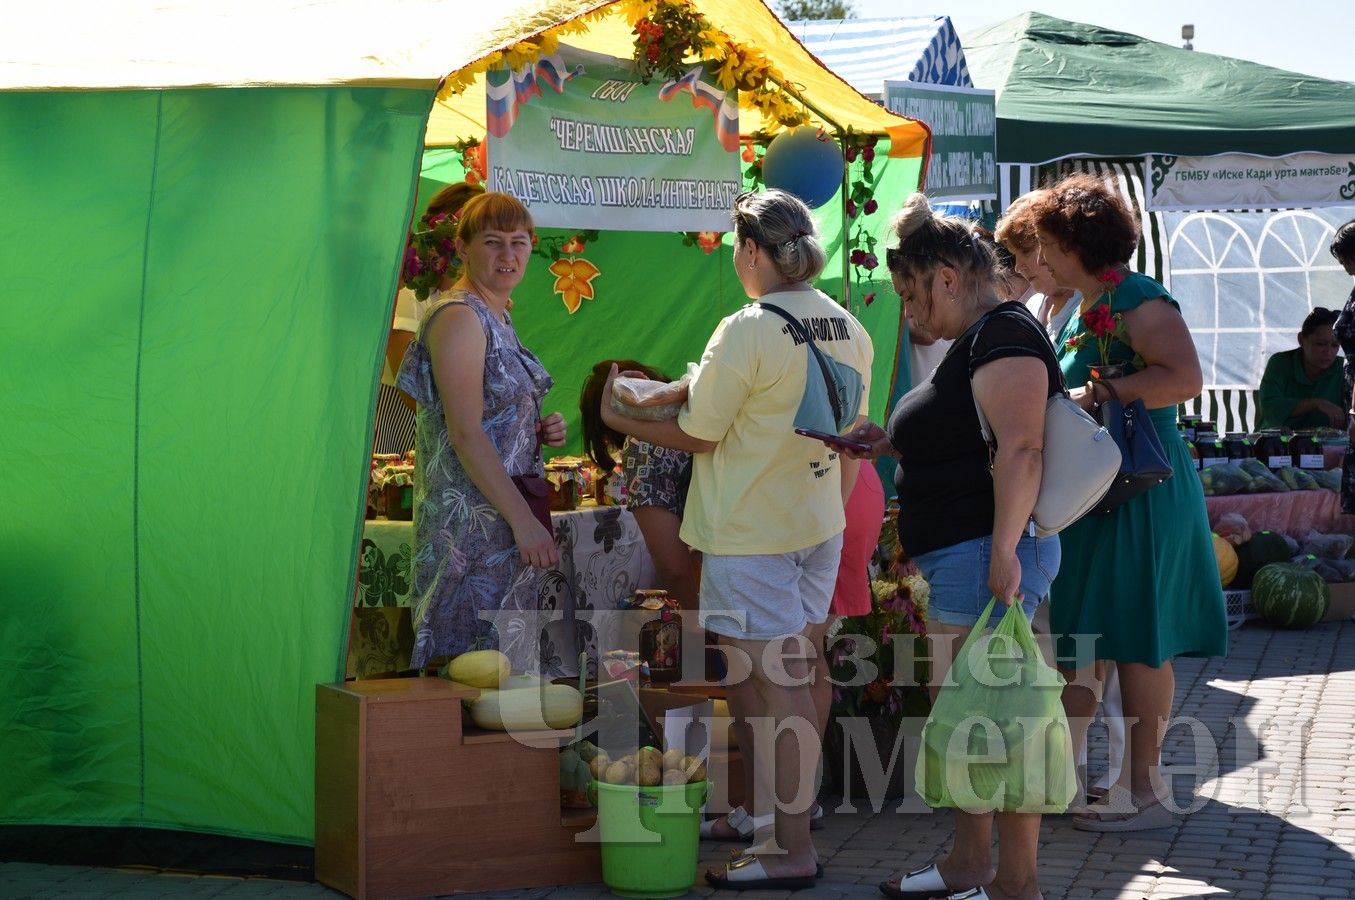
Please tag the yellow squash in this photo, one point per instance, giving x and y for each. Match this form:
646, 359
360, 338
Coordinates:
478, 668
528, 709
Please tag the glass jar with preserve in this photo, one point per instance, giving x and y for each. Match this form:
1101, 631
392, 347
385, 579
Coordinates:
1189, 425
1272, 449
1307, 450
1237, 447
1210, 447
660, 637
1194, 453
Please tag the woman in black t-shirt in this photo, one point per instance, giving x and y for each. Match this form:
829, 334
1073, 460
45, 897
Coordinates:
968, 529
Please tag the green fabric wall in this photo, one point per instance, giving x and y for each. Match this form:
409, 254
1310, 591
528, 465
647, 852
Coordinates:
195, 287
658, 301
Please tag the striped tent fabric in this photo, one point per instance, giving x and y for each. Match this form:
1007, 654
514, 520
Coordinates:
394, 422
1232, 410
867, 52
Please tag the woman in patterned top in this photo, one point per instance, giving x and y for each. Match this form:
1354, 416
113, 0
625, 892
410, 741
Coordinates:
656, 482
478, 425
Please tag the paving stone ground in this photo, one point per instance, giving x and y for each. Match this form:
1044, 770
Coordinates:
1271, 728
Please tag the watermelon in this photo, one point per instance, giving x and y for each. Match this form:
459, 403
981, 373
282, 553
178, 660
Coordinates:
1290, 596
1226, 557
1264, 548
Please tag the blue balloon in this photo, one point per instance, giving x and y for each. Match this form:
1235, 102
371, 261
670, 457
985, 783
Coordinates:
805, 162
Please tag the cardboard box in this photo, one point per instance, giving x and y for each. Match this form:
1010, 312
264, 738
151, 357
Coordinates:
1342, 603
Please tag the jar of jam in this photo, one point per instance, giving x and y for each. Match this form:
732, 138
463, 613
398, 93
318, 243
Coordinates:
1238, 448
661, 637
1206, 425
1272, 449
1194, 453
1189, 425
1210, 447
1307, 450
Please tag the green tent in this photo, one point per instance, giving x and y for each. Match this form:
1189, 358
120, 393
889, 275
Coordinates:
205, 211
1069, 89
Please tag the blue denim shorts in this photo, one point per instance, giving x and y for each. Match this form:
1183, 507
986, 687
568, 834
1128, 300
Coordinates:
958, 576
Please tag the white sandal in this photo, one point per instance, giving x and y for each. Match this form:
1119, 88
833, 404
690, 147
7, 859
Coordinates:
746, 827
737, 819
920, 884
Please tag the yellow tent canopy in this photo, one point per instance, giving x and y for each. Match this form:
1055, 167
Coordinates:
831, 102
381, 43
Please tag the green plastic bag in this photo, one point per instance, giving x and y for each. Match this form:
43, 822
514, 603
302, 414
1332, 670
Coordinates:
997, 737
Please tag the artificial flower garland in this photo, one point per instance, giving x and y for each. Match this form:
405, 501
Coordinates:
667, 33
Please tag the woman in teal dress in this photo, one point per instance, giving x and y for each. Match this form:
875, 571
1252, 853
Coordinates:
1140, 585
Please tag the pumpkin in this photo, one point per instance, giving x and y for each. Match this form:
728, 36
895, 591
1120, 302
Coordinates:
1226, 558
1264, 548
528, 709
1290, 596
478, 668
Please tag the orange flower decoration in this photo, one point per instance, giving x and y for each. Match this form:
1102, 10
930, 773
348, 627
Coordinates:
475, 163
708, 240
573, 245
574, 281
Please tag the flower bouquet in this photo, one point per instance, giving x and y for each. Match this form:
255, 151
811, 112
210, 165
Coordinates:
1107, 329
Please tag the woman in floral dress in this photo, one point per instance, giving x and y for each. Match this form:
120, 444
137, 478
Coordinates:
479, 424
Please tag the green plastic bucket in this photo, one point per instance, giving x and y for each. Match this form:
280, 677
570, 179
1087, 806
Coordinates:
650, 837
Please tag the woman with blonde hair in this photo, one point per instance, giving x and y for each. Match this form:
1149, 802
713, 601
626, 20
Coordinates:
968, 529
1052, 305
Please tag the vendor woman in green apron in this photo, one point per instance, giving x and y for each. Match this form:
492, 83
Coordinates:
1304, 387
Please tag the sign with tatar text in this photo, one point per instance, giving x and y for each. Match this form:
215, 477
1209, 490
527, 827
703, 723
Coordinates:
584, 143
1240, 181
963, 121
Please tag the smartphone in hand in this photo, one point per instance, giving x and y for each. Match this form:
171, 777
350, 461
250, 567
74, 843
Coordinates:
836, 441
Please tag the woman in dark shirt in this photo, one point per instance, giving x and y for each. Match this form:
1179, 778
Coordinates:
968, 529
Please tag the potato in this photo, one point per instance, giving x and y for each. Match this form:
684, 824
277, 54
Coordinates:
674, 776
648, 754
672, 759
693, 768
648, 774
617, 773
598, 764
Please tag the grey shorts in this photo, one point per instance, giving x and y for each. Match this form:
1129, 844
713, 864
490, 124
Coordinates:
763, 597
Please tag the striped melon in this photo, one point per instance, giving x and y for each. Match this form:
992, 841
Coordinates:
1290, 596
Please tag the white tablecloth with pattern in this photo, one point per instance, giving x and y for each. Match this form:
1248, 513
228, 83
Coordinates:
602, 560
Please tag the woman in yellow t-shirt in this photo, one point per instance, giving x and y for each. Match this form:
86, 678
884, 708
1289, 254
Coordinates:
765, 509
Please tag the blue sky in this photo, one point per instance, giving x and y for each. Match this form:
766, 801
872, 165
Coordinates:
1316, 37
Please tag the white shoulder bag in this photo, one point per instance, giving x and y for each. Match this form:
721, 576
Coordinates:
1080, 459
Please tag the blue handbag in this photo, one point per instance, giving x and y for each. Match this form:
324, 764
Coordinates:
837, 382
1143, 462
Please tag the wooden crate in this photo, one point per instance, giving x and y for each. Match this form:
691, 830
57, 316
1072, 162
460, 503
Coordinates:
412, 802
